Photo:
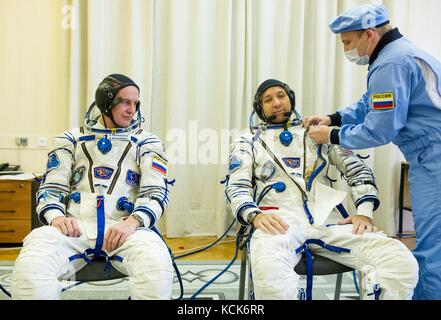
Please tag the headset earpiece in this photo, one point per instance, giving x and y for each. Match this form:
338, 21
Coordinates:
291, 95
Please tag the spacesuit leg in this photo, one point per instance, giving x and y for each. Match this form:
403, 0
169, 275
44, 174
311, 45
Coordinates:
43, 260
147, 262
384, 262
273, 260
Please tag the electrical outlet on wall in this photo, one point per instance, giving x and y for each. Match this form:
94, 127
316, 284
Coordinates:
42, 142
21, 141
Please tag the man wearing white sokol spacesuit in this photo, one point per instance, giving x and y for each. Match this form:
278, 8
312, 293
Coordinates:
104, 187
278, 183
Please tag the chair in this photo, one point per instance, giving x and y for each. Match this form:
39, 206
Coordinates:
404, 199
322, 266
95, 271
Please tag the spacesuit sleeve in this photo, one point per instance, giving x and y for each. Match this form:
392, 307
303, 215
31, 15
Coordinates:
388, 102
55, 186
355, 113
239, 190
359, 176
153, 195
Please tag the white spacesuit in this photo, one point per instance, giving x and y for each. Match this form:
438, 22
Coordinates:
89, 173
277, 169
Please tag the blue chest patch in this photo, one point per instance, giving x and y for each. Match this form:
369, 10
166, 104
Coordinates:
53, 162
102, 173
132, 178
292, 162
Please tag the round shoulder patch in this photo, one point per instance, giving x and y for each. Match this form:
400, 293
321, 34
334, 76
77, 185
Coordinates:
77, 175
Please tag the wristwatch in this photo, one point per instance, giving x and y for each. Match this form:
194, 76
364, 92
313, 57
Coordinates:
137, 217
251, 215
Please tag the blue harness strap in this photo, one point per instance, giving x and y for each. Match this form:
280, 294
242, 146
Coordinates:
109, 262
310, 260
97, 252
309, 272
100, 225
307, 212
86, 256
319, 169
377, 291
342, 211
80, 256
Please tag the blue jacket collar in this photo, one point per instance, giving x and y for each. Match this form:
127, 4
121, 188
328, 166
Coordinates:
389, 37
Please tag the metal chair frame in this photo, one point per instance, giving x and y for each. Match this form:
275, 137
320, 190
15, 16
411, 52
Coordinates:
322, 266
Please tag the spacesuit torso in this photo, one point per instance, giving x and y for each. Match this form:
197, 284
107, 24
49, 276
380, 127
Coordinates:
80, 175
265, 174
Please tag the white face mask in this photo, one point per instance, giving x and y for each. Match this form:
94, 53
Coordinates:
352, 55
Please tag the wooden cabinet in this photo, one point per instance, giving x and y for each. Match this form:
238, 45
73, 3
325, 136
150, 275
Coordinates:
16, 208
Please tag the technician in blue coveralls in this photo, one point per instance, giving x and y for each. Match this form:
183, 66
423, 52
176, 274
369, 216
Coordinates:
402, 105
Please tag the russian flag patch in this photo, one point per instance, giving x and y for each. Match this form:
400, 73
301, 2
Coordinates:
383, 101
159, 164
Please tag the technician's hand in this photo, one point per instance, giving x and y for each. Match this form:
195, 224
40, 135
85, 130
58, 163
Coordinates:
320, 134
118, 234
316, 121
360, 224
270, 223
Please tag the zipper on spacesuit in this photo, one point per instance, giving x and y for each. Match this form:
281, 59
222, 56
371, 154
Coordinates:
89, 171
306, 209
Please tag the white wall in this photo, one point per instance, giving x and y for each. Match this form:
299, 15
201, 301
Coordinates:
33, 101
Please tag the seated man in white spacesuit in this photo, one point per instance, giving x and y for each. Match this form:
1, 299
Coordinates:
104, 187
278, 183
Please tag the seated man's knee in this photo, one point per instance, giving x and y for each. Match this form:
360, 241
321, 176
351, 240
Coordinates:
271, 267
147, 256
45, 233
40, 248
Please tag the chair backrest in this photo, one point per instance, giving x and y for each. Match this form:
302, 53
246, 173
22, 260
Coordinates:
405, 185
